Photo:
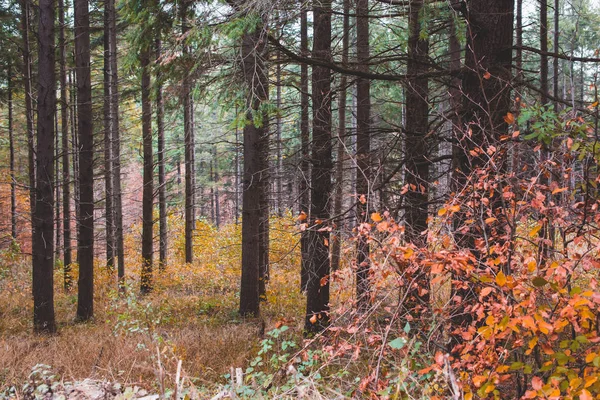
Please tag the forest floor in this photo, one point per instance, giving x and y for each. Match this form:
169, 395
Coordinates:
190, 317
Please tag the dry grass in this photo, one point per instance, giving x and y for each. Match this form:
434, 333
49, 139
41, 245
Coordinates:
190, 316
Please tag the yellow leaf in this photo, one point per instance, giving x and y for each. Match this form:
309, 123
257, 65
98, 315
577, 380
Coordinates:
501, 279
490, 320
534, 231
590, 357
408, 253
469, 396
590, 380
442, 211
490, 220
376, 217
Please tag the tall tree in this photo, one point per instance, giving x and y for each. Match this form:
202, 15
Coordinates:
116, 140
64, 124
11, 162
336, 239
27, 80
162, 190
417, 147
363, 151
189, 143
85, 130
486, 88
108, 147
43, 213
303, 188
148, 190
317, 303
252, 63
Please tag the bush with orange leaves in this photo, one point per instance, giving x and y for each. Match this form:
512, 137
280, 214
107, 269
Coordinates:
503, 302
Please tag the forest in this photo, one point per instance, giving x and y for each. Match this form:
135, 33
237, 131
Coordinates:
312, 199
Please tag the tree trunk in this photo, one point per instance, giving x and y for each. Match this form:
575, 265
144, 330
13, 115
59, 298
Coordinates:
43, 214
116, 142
236, 202
336, 238
148, 190
11, 145
363, 152
253, 54
75, 147
417, 153
25, 27
304, 188
555, 49
64, 117
85, 245
279, 166
162, 194
189, 149
264, 206
108, 162
486, 103
216, 186
57, 219
317, 304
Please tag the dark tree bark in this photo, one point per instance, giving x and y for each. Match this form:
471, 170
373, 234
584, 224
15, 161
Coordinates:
148, 190
43, 214
75, 147
85, 240
363, 152
516, 159
116, 142
278, 145
11, 149
237, 173
189, 148
66, 184
162, 194
108, 157
303, 188
417, 123
417, 152
216, 186
555, 48
253, 54
336, 238
25, 28
57, 219
544, 51
317, 305
264, 208
487, 87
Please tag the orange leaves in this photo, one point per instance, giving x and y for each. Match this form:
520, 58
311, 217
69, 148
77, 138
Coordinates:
451, 209
509, 118
376, 217
535, 230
